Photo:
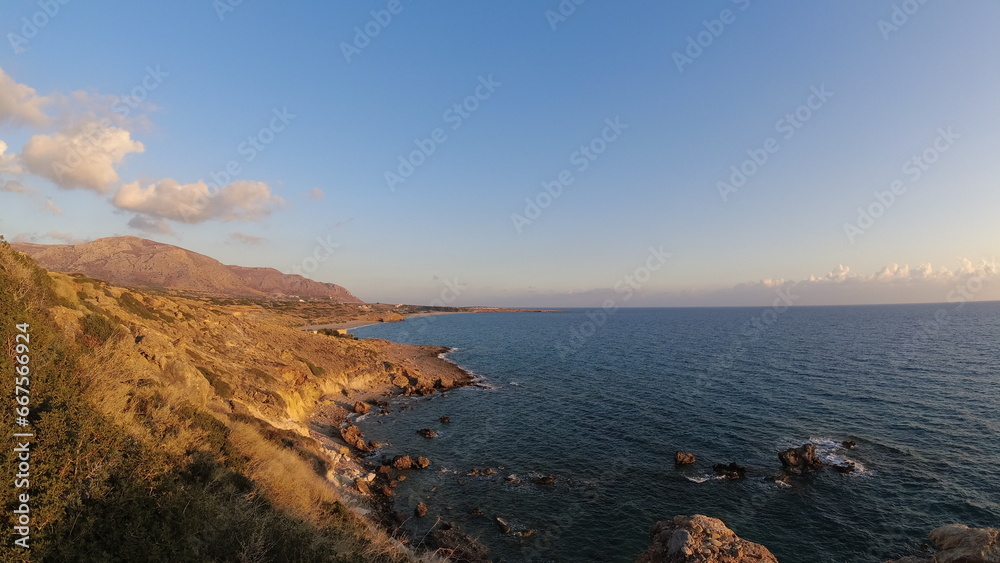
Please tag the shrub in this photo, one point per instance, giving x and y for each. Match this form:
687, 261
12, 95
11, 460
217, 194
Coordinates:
97, 327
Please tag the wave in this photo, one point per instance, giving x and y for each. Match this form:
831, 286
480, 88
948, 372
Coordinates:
704, 478
833, 452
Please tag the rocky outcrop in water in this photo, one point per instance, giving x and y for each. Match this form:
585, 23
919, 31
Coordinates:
698, 538
958, 543
684, 458
800, 458
456, 545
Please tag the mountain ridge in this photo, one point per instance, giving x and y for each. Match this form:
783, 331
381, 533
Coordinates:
136, 262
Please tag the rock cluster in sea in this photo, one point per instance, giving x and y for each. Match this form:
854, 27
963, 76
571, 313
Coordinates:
701, 539
958, 543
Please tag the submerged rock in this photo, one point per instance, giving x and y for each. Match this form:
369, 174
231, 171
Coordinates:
684, 458
958, 543
421, 510
427, 433
731, 471
800, 458
445, 420
502, 525
698, 538
545, 480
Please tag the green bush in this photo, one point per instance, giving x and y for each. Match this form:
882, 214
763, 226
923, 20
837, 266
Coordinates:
97, 327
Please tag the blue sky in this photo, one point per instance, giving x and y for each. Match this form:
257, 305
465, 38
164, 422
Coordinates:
314, 116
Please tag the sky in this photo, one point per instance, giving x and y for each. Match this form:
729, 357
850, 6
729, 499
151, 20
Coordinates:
535, 153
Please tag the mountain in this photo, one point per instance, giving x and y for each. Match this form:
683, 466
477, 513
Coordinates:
137, 262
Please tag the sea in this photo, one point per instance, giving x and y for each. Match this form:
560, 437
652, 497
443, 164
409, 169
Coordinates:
601, 401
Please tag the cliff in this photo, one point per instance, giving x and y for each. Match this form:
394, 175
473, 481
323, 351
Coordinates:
170, 428
136, 262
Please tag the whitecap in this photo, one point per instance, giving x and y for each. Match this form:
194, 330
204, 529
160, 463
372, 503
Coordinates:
704, 478
832, 452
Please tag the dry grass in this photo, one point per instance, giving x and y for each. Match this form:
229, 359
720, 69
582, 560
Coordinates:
148, 447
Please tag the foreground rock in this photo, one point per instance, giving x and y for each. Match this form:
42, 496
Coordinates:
700, 539
958, 543
684, 458
800, 458
456, 545
352, 435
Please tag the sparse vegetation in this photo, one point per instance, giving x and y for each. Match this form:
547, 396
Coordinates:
129, 462
96, 327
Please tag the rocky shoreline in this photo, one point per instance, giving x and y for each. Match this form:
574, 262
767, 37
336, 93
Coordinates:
424, 370
420, 371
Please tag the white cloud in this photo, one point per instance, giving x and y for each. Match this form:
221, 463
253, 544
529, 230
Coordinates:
243, 238
51, 207
150, 225
9, 163
82, 158
14, 186
316, 194
19, 104
56, 236
195, 203
894, 283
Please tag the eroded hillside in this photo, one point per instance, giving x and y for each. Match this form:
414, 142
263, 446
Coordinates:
170, 429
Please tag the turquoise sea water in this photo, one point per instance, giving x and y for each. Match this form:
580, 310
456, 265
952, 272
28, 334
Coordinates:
602, 404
